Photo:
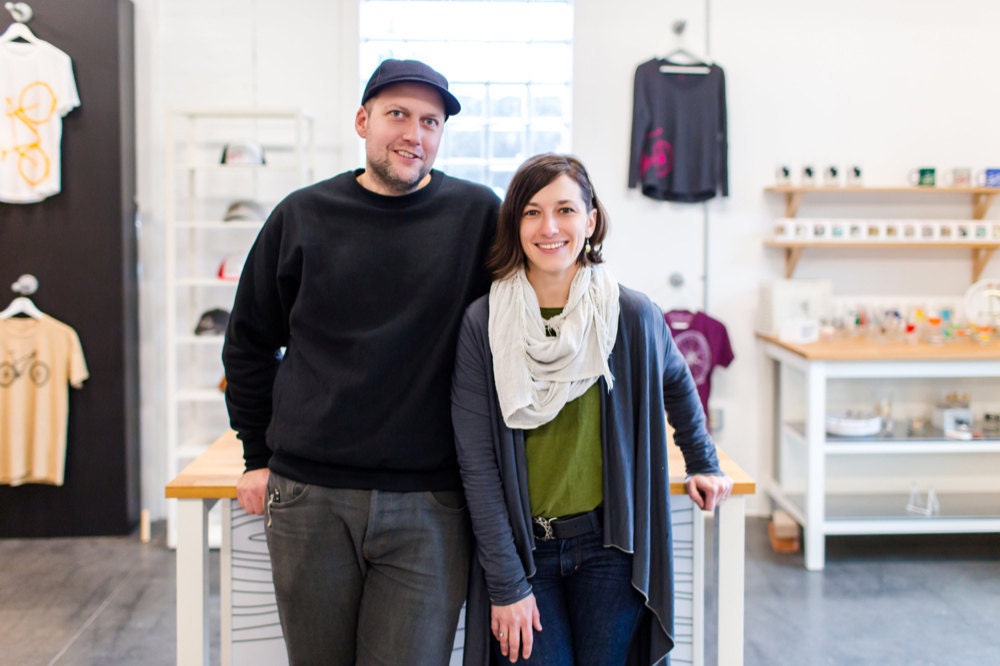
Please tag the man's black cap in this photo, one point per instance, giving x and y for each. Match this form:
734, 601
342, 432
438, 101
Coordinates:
410, 71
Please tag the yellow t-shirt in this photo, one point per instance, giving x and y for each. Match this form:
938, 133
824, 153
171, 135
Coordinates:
39, 359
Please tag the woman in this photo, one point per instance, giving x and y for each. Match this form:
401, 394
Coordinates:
560, 385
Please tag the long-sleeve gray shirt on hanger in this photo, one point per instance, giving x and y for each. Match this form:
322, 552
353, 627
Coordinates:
679, 145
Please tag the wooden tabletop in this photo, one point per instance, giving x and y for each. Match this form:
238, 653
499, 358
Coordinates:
864, 349
213, 474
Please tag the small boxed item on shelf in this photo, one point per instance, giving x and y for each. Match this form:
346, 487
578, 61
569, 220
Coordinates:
952, 413
782, 302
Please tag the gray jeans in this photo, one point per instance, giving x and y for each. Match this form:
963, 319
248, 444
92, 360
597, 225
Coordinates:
367, 576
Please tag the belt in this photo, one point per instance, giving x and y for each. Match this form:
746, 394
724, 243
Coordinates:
567, 527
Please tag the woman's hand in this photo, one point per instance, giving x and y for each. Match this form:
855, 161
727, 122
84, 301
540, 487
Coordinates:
707, 490
512, 627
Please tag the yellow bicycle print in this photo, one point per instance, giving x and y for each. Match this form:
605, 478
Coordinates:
35, 106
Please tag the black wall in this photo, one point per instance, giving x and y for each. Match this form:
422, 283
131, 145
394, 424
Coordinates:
81, 245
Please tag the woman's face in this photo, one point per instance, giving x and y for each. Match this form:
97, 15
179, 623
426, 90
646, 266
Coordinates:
554, 226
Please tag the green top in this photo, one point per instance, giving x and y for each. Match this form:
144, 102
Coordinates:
564, 456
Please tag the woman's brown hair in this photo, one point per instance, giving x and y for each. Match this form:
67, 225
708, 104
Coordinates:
507, 255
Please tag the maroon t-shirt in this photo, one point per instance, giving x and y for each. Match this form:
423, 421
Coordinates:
704, 343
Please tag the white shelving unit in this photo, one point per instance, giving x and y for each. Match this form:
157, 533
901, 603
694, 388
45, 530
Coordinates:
200, 190
860, 485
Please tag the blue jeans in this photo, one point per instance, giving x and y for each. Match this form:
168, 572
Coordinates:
588, 607
367, 576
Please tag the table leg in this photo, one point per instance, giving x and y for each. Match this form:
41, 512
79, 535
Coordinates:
814, 530
193, 628
731, 539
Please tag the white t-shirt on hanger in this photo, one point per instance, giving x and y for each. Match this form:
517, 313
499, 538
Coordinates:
38, 89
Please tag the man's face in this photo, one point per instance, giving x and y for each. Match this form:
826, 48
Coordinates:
402, 127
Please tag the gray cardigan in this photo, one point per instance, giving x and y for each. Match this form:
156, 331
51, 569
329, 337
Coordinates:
650, 375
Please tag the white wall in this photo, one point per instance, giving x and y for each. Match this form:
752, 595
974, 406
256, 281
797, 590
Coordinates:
890, 85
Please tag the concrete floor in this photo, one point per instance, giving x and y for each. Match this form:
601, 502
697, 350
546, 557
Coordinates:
890, 601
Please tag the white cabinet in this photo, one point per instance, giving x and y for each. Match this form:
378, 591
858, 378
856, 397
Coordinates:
205, 251
862, 485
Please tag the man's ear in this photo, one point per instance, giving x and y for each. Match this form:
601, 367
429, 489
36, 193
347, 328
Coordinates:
361, 122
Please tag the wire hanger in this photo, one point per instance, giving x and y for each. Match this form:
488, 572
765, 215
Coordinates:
22, 305
22, 13
694, 65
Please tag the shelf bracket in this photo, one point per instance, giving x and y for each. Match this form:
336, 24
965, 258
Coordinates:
981, 203
980, 257
792, 255
792, 201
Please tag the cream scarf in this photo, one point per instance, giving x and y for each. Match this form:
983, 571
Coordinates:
537, 374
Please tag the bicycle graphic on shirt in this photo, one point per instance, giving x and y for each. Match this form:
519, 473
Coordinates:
11, 371
34, 107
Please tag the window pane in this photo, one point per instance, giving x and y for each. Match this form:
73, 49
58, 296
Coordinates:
465, 143
508, 144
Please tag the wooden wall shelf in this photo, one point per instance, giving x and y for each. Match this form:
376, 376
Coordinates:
981, 252
982, 197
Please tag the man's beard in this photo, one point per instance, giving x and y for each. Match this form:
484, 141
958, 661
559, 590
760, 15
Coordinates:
382, 171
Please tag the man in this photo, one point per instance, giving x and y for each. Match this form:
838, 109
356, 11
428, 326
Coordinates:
347, 437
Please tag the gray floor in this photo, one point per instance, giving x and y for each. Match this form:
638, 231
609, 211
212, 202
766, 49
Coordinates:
881, 600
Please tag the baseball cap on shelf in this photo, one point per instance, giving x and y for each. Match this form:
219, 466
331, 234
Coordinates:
245, 210
243, 152
410, 71
231, 266
212, 322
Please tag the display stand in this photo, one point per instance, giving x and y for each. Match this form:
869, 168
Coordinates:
982, 247
81, 245
222, 163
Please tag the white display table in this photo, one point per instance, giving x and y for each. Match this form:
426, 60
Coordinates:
254, 638
861, 485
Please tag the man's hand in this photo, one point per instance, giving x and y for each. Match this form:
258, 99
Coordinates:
251, 491
512, 625
708, 491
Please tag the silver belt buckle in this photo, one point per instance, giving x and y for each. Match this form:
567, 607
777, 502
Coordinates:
546, 524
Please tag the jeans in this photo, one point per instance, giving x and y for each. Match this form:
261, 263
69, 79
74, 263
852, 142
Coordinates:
367, 576
588, 607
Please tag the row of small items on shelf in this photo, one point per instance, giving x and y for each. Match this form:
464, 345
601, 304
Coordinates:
911, 231
952, 418
914, 325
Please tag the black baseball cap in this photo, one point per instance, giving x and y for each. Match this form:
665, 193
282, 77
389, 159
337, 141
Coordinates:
212, 322
410, 71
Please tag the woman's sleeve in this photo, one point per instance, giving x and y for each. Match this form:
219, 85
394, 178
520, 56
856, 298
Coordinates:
475, 441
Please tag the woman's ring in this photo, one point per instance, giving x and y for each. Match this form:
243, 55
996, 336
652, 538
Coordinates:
502, 634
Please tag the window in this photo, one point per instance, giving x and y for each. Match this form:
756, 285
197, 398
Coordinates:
508, 62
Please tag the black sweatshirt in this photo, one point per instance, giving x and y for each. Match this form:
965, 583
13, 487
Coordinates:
366, 292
